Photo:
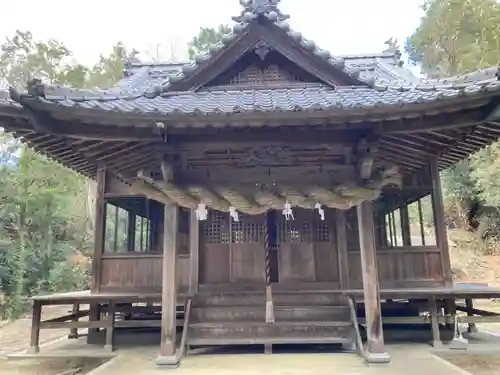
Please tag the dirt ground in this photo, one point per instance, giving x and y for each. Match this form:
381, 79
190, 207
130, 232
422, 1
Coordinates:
15, 336
48, 367
476, 364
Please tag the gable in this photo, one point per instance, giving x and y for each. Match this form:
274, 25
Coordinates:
263, 66
250, 40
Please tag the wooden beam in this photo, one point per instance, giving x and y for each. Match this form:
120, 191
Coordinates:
365, 152
341, 236
442, 121
439, 222
194, 250
307, 175
375, 337
99, 229
167, 355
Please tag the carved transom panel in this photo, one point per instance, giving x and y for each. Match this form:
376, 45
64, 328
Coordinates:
271, 74
268, 156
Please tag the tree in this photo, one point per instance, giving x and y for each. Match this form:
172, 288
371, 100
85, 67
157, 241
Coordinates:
206, 36
109, 69
456, 36
22, 58
45, 228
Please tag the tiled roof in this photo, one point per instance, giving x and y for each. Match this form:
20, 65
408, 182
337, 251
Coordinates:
5, 99
146, 88
294, 97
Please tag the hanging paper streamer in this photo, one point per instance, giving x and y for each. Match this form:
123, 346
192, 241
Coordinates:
201, 212
321, 211
287, 211
234, 214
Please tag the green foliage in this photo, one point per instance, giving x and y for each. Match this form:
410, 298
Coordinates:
206, 36
456, 36
45, 220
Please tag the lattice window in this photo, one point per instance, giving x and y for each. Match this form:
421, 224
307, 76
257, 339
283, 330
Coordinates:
256, 75
215, 228
322, 231
294, 231
248, 230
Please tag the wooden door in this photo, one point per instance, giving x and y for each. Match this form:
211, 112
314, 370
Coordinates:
296, 249
247, 250
214, 266
307, 249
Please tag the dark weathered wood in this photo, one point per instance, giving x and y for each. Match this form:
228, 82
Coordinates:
99, 228
375, 337
75, 312
110, 328
439, 222
35, 327
405, 225
140, 273
194, 252
169, 285
341, 237
436, 339
298, 175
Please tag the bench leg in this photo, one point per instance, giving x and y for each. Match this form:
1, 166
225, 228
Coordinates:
472, 328
94, 315
110, 326
436, 335
73, 332
35, 328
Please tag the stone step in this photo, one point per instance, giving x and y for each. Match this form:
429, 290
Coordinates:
248, 333
258, 313
280, 298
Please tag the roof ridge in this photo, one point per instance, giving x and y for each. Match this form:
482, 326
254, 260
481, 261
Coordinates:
257, 11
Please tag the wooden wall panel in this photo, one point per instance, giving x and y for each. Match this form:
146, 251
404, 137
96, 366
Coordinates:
248, 263
214, 263
402, 267
296, 262
326, 262
140, 273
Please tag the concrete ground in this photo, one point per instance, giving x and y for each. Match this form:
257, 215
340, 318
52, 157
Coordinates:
132, 359
406, 360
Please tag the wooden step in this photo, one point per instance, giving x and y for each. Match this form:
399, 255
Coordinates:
256, 299
258, 313
247, 333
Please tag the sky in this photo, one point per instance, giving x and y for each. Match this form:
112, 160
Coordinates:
160, 29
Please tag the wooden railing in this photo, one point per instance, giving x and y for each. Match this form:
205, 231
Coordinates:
187, 315
354, 319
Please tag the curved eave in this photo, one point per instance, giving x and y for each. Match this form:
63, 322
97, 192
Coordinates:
261, 107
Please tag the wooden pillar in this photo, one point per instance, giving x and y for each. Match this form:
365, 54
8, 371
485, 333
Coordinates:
131, 228
75, 311
99, 239
194, 250
341, 235
35, 328
405, 225
375, 349
167, 356
439, 223
99, 229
